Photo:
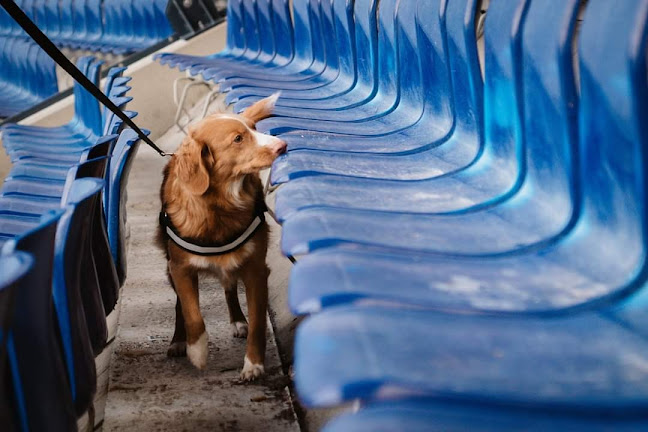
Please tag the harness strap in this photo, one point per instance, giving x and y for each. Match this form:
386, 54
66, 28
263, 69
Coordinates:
199, 248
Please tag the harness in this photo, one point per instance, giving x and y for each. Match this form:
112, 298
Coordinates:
209, 249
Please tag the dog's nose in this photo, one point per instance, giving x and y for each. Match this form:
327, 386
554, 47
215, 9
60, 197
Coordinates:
279, 147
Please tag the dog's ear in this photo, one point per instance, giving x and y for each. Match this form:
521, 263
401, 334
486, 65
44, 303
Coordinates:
261, 109
194, 163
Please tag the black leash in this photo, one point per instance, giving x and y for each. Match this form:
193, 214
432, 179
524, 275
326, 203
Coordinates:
43, 41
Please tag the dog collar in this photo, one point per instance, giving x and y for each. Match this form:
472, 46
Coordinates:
200, 248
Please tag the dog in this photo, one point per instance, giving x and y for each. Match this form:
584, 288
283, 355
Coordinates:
212, 221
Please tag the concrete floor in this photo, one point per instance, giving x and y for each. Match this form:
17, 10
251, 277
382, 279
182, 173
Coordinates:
150, 392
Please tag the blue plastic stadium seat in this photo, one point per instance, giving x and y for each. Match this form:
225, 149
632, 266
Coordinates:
31, 195
114, 26
540, 208
587, 355
78, 306
42, 397
28, 75
13, 267
573, 269
431, 416
117, 180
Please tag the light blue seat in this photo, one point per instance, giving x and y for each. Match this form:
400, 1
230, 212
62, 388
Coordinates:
580, 346
477, 164
539, 209
573, 270
345, 23
330, 12
277, 47
358, 31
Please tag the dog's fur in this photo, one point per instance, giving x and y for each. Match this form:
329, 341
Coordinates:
210, 191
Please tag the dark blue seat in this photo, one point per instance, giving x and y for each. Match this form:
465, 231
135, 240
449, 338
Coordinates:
431, 416
32, 195
538, 210
117, 180
75, 126
75, 134
584, 348
77, 308
13, 267
277, 47
42, 397
28, 75
241, 32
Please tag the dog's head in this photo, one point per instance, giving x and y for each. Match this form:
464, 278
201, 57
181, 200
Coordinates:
227, 146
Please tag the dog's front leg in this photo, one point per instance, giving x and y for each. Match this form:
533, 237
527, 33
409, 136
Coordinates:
255, 277
178, 347
185, 281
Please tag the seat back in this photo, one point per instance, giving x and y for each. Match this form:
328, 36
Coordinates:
120, 164
253, 38
344, 29
502, 147
282, 31
550, 106
365, 37
265, 28
613, 142
41, 393
14, 267
73, 252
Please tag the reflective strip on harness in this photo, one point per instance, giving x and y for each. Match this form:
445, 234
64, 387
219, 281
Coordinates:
214, 250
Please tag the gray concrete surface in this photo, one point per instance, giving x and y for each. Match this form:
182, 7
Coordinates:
150, 392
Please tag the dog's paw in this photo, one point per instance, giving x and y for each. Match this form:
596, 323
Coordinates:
177, 349
197, 352
251, 371
239, 329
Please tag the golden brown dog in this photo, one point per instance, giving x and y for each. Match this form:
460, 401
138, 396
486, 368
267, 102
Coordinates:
211, 195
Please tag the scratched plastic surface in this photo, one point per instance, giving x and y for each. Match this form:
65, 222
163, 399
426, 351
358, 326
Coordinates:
585, 362
602, 255
540, 208
430, 416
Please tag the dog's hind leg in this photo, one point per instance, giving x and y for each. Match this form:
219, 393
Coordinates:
178, 347
237, 318
185, 281
255, 277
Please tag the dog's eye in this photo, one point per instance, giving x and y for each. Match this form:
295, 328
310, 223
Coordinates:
238, 138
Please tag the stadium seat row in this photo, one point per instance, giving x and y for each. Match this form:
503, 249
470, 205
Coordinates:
471, 234
61, 255
111, 26
27, 75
